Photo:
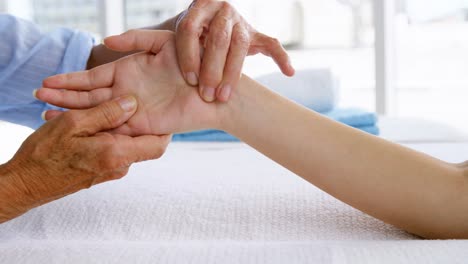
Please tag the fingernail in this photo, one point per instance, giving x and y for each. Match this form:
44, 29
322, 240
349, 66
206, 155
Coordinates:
225, 93
192, 78
128, 103
209, 94
43, 114
34, 92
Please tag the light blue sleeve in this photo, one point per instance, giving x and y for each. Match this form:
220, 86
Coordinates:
28, 56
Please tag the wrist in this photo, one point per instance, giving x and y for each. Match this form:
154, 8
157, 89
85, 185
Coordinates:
231, 112
13, 200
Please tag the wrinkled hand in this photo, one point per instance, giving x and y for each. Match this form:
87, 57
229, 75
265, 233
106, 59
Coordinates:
167, 104
215, 31
69, 153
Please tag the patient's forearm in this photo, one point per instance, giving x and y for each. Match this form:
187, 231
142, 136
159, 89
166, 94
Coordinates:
400, 186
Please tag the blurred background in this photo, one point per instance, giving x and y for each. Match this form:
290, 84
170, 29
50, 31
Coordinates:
401, 58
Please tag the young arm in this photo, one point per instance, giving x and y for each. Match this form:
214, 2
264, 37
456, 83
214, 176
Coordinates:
410, 190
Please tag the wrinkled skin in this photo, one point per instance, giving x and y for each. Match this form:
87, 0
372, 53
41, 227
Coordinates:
70, 153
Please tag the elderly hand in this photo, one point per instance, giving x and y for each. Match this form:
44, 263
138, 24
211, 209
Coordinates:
167, 104
70, 153
215, 31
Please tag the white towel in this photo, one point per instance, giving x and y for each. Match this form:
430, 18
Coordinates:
215, 203
314, 88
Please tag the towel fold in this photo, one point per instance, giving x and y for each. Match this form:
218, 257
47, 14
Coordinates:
353, 117
316, 89
205, 136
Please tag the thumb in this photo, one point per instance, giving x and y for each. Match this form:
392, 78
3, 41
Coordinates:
108, 115
139, 39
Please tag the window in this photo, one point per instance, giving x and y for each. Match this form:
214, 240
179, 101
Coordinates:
51, 14
336, 35
420, 70
431, 52
141, 13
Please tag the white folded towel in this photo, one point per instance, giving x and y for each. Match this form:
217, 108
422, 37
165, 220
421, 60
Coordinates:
313, 88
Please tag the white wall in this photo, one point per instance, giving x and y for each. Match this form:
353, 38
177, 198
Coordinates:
314, 23
21, 8
3, 7
278, 18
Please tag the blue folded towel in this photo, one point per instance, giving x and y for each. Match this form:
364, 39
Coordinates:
353, 117
205, 136
356, 118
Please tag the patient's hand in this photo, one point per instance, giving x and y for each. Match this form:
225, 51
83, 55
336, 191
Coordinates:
166, 104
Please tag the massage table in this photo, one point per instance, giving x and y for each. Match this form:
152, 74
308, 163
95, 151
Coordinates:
218, 203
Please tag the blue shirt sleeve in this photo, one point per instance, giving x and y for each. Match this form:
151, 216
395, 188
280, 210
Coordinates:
27, 56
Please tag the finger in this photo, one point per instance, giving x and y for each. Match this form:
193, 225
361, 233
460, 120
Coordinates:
115, 175
139, 39
104, 117
146, 147
272, 47
240, 43
98, 77
214, 58
127, 130
188, 33
74, 99
51, 114
123, 151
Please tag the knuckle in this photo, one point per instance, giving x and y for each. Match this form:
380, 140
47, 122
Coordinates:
275, 42
106, 153
241, 39
109, 161
92, 78
71, 119
199, 3
220, 37
226, 6
108, 141
91, 98
109, 114
188, 26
